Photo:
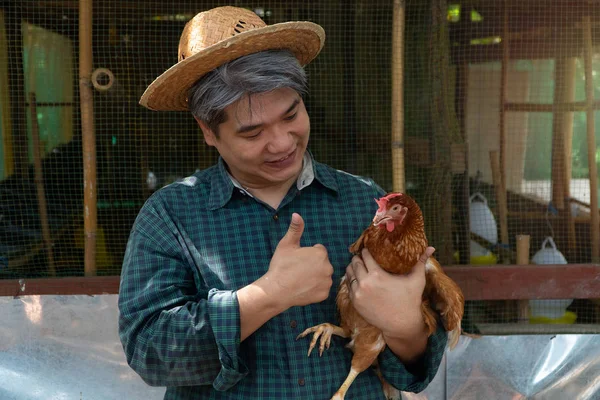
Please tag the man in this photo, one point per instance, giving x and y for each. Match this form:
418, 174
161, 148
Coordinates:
223, 270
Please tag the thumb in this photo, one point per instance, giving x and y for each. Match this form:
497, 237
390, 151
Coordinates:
294, 233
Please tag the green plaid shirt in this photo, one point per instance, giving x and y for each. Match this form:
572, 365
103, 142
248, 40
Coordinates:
195, 243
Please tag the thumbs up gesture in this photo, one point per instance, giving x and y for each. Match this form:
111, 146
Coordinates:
302, 275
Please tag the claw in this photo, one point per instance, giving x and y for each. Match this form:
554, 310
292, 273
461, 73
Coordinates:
324, 332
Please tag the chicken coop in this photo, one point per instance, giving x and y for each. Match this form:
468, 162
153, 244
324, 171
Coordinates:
486, 112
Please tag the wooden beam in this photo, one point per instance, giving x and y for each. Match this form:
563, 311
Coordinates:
61, 286
501, 199
518, 282
523, 260
504, 93
398, 169
461, 180
478, 282
528, 50
558, 139
16, 79
576, 106
88, 133
39, 184
566, 67
591, 140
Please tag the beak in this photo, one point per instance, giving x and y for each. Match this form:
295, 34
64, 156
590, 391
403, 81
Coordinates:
380, 217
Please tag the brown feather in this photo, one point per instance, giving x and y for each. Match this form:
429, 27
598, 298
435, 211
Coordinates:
396, 252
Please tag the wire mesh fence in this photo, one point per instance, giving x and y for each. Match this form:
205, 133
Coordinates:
500, 111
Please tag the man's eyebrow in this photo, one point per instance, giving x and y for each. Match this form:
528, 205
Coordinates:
249, 128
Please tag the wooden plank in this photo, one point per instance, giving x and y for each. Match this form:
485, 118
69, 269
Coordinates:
526, 49
528, 329
504, 94
16, 79
556, 107
591, 139
523, 260
398, 170
461, 179
39, 183
493, 282
501, 199
61, 286
518, 282
88, 135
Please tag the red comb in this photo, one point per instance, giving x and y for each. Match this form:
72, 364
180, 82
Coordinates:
382, 202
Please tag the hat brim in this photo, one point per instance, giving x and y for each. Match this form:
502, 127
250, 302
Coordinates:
168, 92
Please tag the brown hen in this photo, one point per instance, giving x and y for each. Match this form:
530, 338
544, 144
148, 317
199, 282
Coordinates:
395, 239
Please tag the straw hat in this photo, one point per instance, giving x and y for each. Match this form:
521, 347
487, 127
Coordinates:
222, 34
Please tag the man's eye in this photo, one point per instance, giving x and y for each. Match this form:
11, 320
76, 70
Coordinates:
254, 136
291, 117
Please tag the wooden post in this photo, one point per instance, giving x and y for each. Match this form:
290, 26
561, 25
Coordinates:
569, 69
16, 81
501, 200
523, 259
88, 135
39, 183
398, 97
562, 138
558, 140
591, 140
5, 106
503, 94
462, 180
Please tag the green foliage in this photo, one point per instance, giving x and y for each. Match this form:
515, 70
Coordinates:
539, 147
453, 12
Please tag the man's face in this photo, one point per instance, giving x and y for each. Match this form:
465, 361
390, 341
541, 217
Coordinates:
263, 140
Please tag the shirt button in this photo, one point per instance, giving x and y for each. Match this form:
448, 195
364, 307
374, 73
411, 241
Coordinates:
293, 324
276, 217
301, 382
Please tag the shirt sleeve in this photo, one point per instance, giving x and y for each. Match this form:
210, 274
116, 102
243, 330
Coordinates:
416, 378
172, 333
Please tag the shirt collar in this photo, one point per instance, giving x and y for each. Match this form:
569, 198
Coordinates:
223, 183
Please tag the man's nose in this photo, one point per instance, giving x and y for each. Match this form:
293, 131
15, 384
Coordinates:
281, 140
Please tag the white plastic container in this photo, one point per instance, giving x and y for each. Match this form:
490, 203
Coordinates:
482, 223
553, 309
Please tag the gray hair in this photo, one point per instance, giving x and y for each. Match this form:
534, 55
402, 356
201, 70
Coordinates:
255, 73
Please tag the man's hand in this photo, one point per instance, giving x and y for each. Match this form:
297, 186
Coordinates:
299, 275
390, 302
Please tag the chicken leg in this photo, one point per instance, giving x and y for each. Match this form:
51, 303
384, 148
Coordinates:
366, 345
324, 331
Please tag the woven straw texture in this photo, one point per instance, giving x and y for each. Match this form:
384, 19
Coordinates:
217, 36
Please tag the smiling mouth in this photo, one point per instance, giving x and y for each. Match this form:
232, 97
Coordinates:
281, 159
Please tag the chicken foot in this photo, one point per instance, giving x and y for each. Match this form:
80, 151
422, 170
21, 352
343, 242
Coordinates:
360, 362
390, 392
324, 331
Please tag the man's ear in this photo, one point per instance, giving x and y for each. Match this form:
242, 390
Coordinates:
209, 135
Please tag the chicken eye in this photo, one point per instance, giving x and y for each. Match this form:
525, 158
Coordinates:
395, 208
